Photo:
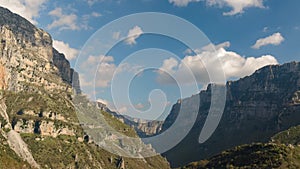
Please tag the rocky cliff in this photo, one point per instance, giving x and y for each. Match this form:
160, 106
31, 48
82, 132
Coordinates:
30, 69
144, 128
68, 75
147, 128
257, 107
27, 57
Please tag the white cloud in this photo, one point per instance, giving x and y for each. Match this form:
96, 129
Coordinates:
129, 68
101, 58
64, 48
105, 70
85, 19
133, 34
84, 81
105, 74
29, 9
182, 3
238, 6
101, 69
63, 21
116, 35
214, 47
188, 51
170, 64
233, 64
275, 39
209, 47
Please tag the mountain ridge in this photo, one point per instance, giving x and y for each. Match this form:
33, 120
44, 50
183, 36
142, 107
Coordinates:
263, 104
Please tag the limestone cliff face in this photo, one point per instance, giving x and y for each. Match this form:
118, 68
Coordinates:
29, 63
68, 75
52, 124
257, 107
27, 56
148, 128
144, 128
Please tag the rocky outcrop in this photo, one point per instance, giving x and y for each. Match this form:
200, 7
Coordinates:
66, 73
14, 139
147, 128
257, 107
44, 128
27, 56
17, 144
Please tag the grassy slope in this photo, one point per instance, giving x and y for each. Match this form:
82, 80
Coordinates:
283, 152
55, 102
119, 126
290, 136
65, 151
260, 156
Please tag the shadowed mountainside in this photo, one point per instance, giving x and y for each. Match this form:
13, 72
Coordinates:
257, 107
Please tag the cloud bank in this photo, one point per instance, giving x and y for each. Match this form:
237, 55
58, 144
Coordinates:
234, 65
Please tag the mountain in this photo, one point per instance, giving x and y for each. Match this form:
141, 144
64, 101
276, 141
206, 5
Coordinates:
254, 156
39, 125
257, 107
283, 151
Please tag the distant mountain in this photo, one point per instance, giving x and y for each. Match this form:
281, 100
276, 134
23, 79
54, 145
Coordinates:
39, 125
257, 107
144, 128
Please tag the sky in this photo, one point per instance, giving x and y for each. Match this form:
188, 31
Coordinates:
242, 35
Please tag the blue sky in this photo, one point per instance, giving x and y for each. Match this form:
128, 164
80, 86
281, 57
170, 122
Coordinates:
246, 35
